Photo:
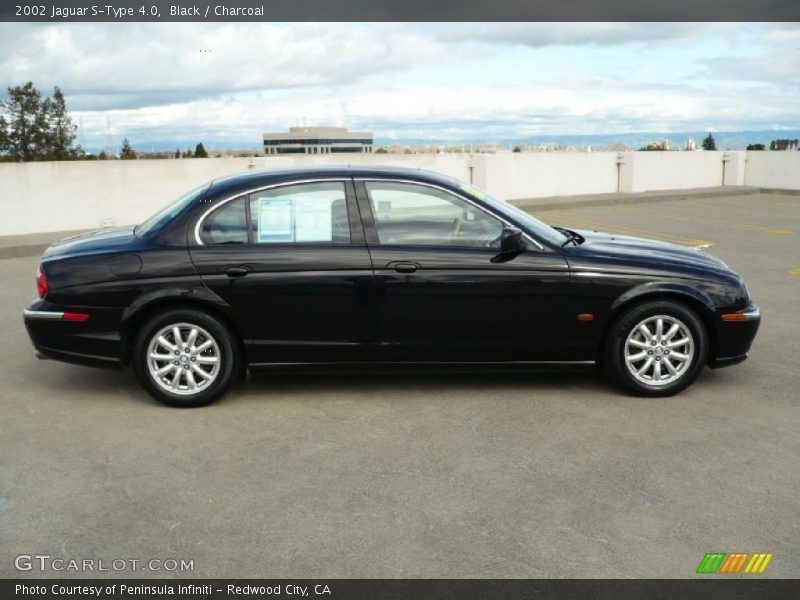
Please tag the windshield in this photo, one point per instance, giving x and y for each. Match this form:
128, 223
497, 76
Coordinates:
169, 212
532, 224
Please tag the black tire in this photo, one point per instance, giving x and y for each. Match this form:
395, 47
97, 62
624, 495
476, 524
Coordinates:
225, 351
616, 346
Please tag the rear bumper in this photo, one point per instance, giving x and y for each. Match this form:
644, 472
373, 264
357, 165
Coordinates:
94, 342
735, 335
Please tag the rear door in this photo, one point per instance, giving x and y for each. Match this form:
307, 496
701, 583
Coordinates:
442, 299
291, 261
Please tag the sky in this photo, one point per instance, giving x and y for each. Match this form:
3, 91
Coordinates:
231, 82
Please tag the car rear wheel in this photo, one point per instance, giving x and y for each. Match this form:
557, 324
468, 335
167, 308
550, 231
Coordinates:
656, 349
185, 358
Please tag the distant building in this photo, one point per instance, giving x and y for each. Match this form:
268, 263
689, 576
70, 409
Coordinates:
317, 140
614, 148
690, 145
657, 145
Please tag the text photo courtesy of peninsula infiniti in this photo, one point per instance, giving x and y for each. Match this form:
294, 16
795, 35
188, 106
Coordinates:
381, 268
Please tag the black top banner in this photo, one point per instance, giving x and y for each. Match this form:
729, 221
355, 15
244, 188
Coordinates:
397, 10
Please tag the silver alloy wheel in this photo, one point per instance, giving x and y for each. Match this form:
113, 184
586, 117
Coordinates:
659, 350
183, 358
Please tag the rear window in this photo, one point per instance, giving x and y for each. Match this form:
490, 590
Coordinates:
159, 220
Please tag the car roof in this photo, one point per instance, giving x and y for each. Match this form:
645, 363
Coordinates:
255, 178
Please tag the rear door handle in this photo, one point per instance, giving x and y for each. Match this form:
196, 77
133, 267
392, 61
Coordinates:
237, 271
405, 267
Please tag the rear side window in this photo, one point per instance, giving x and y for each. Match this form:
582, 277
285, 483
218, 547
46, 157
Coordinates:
226, 225
301, 214
308, 213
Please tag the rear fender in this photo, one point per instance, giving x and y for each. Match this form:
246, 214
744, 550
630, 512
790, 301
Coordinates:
198, 296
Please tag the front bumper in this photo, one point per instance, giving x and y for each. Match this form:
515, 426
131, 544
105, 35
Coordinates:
94, 342
735, 332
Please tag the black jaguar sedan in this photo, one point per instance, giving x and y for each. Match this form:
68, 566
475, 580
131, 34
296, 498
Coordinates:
378, 268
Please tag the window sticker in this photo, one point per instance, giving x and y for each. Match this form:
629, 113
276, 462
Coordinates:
294, 219
384, 208
480, 194
275, 220
313, 220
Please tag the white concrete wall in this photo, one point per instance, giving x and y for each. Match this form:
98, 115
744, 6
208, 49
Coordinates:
60, 196
650, 171
780, 170
735, 165
542, 174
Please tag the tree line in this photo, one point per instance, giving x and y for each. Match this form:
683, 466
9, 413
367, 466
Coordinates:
36, 127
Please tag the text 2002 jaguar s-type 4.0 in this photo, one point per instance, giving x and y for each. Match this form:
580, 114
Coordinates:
382, 268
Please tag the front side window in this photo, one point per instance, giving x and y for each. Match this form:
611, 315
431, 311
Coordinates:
415, 215
303, 213
514, 213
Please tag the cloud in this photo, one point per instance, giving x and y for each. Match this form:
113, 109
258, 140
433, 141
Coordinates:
781, 33
583, 34
233, 81
470, 111
97, 64
780, 67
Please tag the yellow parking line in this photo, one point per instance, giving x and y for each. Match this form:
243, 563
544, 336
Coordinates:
742, 226
762, 210
579, 221
795, 272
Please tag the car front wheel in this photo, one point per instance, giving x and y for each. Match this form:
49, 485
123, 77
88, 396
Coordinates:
185, 358
657, 348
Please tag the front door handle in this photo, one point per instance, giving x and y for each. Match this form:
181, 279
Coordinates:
405, 267
237, 271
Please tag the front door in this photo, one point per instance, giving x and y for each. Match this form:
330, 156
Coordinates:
292, 263
442, 299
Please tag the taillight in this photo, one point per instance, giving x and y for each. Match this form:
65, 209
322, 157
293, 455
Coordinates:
72, 316
41, 282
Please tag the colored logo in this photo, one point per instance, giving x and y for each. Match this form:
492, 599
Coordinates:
735, 562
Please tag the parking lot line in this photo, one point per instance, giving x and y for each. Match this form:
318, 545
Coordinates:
762, 210
717, 223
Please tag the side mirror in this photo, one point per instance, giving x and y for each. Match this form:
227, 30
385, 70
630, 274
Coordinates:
512, 244
511, 240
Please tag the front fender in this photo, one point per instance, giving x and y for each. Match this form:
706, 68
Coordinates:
705, 297
653, 288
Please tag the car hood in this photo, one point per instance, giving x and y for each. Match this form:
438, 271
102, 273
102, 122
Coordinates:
638, 249
110, 239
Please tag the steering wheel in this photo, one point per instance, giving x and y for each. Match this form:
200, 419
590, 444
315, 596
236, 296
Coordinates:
455, 232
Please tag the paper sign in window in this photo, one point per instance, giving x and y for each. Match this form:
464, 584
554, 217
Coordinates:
313, 220
384, 208
275, 220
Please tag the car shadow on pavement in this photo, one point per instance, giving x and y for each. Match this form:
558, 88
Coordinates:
263, 384
75, 381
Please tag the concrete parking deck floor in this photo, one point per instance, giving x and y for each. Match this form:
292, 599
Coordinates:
425, 476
